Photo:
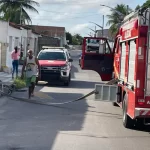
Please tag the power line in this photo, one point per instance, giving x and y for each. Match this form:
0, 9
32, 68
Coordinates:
64, 18
65, 15
70, 3
64, 12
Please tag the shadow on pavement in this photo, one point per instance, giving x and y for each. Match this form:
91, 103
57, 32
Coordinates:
37, 127
74, 70
75, 84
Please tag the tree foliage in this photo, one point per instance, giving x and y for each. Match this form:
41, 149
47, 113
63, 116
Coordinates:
146, 4
114, 19
14, 10
74, 39
137, 7
69, 37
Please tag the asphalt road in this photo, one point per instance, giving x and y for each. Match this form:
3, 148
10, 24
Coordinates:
84, 125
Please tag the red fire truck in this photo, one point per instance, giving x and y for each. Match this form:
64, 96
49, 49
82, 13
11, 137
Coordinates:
129, 63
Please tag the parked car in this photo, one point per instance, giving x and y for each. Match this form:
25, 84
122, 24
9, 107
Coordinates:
55, 65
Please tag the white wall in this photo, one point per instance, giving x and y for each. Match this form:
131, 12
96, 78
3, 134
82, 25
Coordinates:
24, 34
3, 31
14, 33
31, 41
12, 36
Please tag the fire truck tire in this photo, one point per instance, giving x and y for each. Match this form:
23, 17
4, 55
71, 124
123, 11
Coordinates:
140, 123
127, 121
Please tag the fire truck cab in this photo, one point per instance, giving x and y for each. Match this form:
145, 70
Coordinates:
129, 62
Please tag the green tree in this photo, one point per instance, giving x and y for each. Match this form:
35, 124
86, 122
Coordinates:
79, 39
75, 41
114, 19
137, 7
69, 37
11, 10
146, 4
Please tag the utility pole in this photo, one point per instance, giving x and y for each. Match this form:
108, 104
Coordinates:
98, 25
103, 27
95, 31
127, 9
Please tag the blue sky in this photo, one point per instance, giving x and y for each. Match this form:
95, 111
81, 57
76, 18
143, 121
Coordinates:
75, 15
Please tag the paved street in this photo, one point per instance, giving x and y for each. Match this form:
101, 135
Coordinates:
7, 77
84, 125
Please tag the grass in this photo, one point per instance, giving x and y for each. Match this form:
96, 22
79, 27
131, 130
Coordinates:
19, 83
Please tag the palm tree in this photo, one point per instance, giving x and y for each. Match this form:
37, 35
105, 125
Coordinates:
15, 10
146, 4
114, 19
137, 7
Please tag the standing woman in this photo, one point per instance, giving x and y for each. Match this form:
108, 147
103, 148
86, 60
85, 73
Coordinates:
15, 61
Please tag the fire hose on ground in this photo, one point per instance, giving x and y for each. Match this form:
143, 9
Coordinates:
34, 101
46, 103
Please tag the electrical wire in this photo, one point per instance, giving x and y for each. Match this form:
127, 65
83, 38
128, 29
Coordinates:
63, 18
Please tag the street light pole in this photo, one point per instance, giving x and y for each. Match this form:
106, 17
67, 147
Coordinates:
103, 27
91, 29
119, 13
95, 31
99, 26
127, 9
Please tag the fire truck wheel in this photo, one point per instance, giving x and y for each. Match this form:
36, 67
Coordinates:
140, 123
127, 121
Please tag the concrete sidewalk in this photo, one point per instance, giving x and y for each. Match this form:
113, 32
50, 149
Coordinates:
6, 77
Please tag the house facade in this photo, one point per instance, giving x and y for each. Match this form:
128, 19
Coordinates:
51, 31
14, 35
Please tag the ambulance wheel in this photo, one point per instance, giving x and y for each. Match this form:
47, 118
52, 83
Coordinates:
127, 121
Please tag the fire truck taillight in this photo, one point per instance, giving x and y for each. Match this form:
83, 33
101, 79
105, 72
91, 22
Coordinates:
141, 101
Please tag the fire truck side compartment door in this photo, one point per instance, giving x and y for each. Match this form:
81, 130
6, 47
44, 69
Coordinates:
105, 93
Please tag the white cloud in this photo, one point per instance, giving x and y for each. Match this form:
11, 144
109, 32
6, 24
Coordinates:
72, 8
74, 15
78, 28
